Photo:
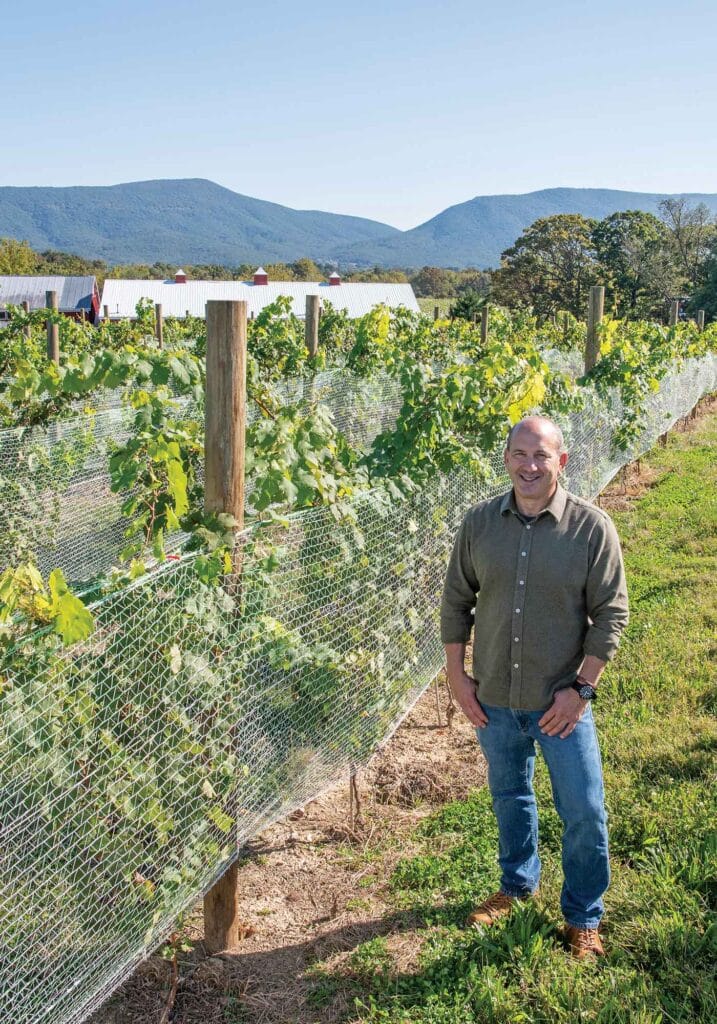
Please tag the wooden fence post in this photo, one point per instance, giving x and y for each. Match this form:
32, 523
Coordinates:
53, 330
700, 319
596, 306
436, 311
106, 313
158, 324
311, 324
566, 329
26, 331
484, 325
674, 312
225, 426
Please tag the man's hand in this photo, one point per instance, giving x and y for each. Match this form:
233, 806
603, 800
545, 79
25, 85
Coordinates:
463, 688
563, 714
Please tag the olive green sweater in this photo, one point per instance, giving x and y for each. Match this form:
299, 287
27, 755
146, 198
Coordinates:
545, 594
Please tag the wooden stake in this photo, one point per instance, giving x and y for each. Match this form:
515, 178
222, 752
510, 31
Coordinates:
311, 325
225, 427
106, 313
674, 312
566, 329
436, 312
700, 319
158, 324
484, 325
221, 912
53, 330
354, 802
26, 331
438, 702
596, 305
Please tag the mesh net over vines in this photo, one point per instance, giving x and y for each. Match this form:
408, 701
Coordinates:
57, 499
137, 763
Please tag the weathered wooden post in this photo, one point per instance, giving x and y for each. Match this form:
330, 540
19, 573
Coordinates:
674, 312
158, 324
700, 319
225, 426
311, 324
596, 306
26, 331
566, 329
106, 313
436, 311
484, 325
53, 330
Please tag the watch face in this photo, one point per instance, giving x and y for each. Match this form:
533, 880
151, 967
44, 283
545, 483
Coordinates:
586, 692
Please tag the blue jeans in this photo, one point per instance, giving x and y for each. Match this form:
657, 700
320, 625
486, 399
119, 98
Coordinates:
508, 743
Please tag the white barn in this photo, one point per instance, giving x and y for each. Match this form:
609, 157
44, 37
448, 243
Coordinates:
180, 297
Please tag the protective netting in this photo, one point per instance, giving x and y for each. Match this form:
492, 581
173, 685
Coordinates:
57, 499
134, 765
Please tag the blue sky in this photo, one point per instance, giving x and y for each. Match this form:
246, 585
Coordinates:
385, 110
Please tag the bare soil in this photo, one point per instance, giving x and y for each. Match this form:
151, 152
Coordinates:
314, 887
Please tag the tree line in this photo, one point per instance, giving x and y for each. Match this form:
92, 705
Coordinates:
644, 261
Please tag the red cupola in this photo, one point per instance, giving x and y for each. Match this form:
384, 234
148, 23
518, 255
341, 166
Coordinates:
261, 276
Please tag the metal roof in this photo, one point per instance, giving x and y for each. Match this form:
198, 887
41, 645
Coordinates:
357, 299
73, 293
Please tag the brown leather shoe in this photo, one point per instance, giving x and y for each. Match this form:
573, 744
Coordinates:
500, 904
583, 942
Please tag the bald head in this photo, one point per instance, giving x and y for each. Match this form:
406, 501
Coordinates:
539, 426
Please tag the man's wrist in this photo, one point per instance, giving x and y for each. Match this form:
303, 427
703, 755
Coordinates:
584, 681
585, 689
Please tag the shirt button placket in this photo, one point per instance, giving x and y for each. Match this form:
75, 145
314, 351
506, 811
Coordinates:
521, 580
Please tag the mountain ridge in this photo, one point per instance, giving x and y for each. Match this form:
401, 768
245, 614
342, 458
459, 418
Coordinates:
195, 220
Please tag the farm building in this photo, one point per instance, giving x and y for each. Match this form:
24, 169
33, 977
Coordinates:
77, 297
180, 297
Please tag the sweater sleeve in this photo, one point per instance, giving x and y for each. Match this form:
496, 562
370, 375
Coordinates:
606, 593
459, 590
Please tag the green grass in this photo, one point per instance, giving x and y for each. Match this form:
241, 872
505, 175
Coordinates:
427, 305
658, 737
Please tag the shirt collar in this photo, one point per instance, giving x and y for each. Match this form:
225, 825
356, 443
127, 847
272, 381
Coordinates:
555, 507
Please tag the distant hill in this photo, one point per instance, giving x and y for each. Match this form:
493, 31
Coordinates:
182, 221
475, 233
196, 221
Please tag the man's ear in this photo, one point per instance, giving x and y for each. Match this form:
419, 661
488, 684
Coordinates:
564, 459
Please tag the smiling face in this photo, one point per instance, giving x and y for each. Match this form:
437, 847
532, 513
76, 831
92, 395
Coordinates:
534, 462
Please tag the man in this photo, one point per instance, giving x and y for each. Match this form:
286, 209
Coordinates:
543, 570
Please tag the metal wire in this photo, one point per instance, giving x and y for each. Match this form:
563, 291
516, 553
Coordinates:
134, 766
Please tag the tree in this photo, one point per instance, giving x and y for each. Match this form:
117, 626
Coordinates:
378, 275
473, 281
469, 304
17, 257
550, 267
692, 230
306, 270
706, 295
640, 273
434, 282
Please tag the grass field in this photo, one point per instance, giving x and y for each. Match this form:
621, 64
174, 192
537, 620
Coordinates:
428, 304
657, 727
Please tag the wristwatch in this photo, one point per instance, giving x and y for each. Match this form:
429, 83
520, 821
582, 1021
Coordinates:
584, 689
